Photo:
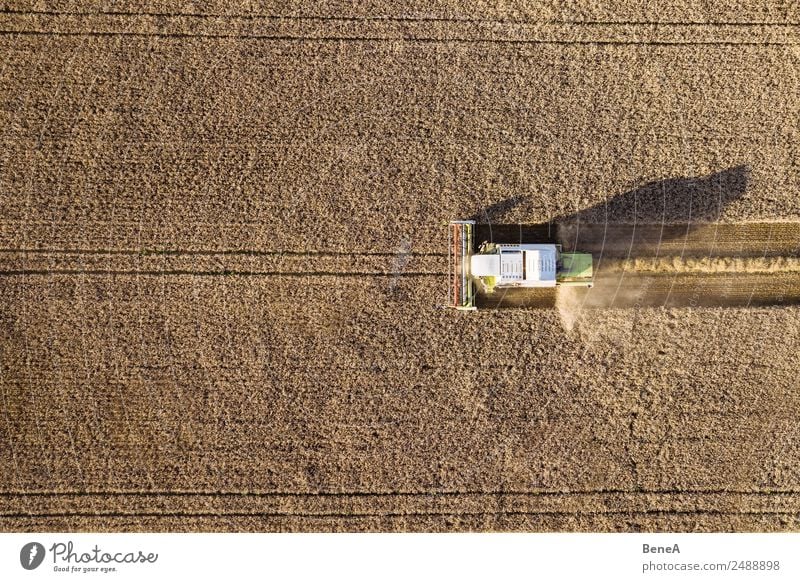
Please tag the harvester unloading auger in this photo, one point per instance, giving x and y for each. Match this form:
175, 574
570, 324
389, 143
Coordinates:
505, 265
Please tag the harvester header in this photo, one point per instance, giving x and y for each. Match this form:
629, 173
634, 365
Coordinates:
461, 293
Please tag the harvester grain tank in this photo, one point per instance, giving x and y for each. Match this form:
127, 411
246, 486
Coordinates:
505, 265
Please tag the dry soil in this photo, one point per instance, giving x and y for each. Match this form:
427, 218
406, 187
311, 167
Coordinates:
223, 246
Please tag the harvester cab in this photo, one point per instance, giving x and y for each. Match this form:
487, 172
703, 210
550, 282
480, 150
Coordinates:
504, 265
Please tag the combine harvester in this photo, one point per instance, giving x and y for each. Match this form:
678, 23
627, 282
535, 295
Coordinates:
508, 265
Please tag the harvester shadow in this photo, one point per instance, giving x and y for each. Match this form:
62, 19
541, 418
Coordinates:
673, 200
665, 209
674, 217
647, 219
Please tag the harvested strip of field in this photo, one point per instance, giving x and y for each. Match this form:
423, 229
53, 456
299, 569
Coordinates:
692, 288
665, 265
745, 240
626, 289
707, 265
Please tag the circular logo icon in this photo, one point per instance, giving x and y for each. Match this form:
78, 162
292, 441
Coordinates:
31, 555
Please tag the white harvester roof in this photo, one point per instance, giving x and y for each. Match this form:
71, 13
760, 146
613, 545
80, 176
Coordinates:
485, 265
527, 265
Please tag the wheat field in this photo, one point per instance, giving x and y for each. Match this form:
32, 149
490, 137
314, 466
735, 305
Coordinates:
223, 258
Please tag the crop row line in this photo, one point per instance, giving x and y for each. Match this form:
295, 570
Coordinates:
443, 493
422, 40
246, 252
220, 273
389, 18
273, 514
